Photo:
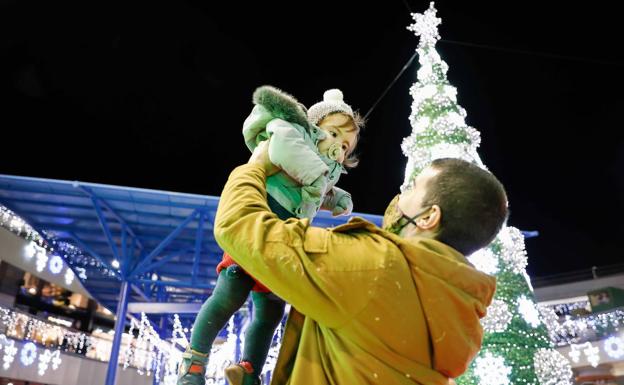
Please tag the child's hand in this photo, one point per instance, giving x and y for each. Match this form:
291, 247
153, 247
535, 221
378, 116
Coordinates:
260, 156
344, 206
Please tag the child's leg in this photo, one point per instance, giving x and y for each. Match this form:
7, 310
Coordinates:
229, 295
268, 312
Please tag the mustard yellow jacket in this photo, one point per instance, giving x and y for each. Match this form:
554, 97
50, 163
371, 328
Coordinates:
371, 307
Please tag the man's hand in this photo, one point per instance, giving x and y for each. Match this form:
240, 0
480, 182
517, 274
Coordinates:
260, 156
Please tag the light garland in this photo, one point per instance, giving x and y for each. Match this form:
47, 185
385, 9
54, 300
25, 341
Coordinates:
529, 312
590, 351
569, 330
46, 357
178, 334
492, 370
9, 351
69, 276
485, 261
513, 251
552, 368
14, 223
498, 317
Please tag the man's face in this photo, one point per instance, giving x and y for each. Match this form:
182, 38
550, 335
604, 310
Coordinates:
408, 207
411, 201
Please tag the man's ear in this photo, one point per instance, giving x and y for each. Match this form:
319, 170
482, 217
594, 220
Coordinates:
430, 221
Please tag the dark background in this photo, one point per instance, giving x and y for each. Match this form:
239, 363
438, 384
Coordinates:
153, 94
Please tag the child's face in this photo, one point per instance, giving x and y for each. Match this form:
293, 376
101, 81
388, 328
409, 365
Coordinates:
341, 136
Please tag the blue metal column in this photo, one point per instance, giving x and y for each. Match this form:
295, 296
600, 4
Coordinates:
111, 373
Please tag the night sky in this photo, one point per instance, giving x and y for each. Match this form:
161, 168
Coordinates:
153, 94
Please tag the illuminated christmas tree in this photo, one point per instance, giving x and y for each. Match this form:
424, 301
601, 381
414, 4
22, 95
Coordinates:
516, 348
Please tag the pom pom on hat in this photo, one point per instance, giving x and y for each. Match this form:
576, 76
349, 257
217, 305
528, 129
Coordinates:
333, 101
333, 95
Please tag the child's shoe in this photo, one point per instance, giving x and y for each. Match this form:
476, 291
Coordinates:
192, 369
235, 374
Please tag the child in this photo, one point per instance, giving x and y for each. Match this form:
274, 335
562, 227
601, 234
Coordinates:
312, 150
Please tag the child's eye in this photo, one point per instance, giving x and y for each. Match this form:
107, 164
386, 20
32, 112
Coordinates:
333, 134
344, 147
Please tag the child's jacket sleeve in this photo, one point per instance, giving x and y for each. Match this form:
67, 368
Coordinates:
289, 151
254, 127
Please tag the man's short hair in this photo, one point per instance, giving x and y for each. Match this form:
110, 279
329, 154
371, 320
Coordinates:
473, 204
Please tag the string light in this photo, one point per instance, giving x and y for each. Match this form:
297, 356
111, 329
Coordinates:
498, 317
492, 370
69, 276
9, 352
529, 312
552, 368
484, 260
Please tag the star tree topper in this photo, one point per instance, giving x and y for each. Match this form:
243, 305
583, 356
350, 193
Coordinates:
426, 26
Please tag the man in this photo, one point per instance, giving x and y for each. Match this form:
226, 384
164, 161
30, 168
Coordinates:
370, 305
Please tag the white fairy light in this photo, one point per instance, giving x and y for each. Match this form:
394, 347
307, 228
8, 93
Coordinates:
552, 368
492, 370
30, 250
484, 260
592, 354
55, 265
529, 312
10, 350
69, 276
56, 359
498, 317
129, 351
28, 354
41, 260
178, 333
614, 347
44, 361
513, 252
590, 351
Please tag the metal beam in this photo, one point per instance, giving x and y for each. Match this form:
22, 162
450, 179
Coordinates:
111, 374
198, 242
95, 197
104, 224
165, 242
207, 199
188, 284
89, 208
163, 307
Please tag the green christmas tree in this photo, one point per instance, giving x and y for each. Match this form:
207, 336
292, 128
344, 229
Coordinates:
516, 348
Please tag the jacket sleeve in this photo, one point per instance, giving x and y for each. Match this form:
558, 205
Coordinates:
289, 151
273, 250
254, 127
333, 196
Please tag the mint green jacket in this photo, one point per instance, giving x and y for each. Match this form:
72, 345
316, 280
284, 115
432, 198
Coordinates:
307, 180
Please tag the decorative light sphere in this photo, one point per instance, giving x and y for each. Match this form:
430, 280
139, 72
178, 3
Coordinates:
492, 370
28, 354
529, 312
56, 264
614, 347
498, 317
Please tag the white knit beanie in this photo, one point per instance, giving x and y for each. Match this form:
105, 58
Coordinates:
333, 101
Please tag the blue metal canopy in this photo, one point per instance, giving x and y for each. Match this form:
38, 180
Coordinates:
160, 242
